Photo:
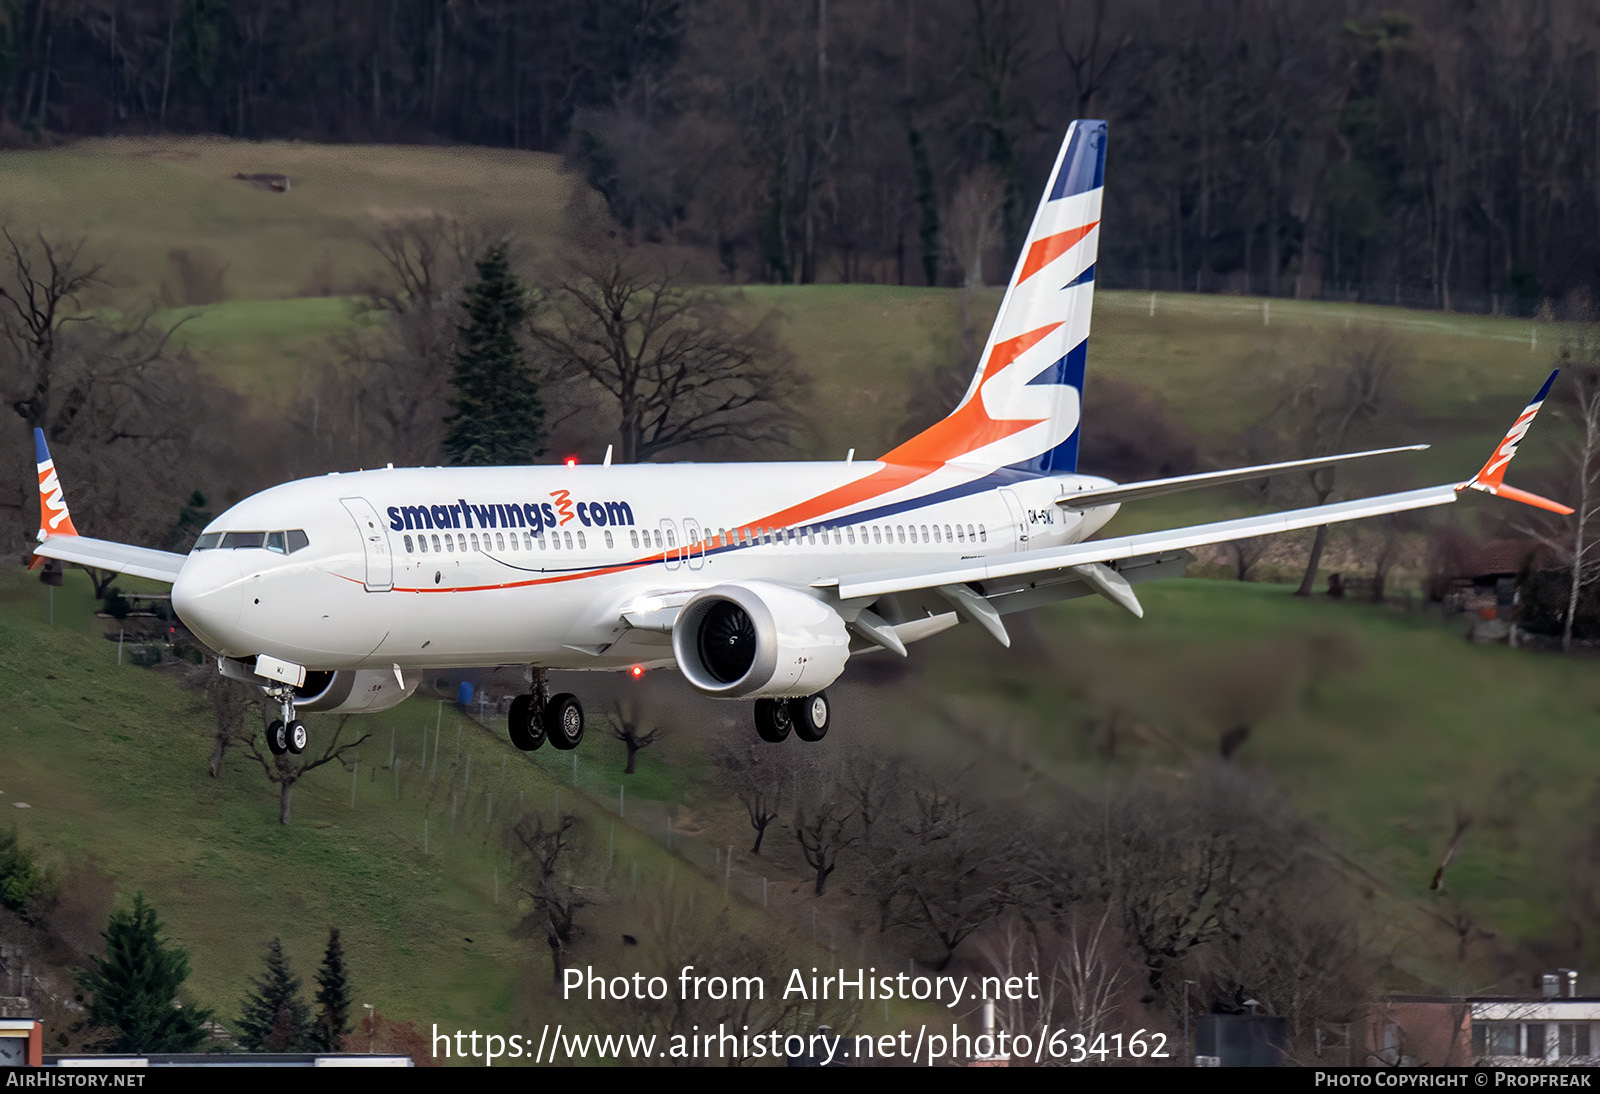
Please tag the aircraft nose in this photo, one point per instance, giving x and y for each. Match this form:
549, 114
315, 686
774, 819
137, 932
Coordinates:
208, 596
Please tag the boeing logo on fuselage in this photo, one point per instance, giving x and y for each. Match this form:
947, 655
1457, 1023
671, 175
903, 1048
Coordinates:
534, 516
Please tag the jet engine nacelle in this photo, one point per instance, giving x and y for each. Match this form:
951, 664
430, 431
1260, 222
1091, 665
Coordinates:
756, 639
346, 691
353, 691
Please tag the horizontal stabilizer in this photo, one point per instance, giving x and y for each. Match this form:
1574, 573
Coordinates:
1154, 488
122, 558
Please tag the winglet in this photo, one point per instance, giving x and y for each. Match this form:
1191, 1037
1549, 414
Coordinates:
54, 520
1489, 479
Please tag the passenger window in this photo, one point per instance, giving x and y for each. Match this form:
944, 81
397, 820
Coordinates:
569, 540
658, 538
581, 543
555, 541
925, 533
500, 541
297, 540
936, 538
983, 533
422, 544
436, 547
450, 544
462, 540
633, 536
948, 538
901, 529
877, 534
609, 544
542, 544
961, 536
408, 545
475, 541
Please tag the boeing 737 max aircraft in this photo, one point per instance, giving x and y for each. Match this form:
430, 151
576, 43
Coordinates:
757, 581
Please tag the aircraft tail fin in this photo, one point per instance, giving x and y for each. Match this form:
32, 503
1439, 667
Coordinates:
1024, 405
54, 520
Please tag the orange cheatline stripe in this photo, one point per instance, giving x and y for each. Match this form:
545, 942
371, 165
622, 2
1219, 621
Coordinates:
1046, 250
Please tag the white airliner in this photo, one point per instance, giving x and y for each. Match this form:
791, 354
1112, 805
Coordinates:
757, 581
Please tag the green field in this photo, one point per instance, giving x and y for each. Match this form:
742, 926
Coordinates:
105, 777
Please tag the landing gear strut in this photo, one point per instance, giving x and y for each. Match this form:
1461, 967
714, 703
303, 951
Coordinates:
285, 734
539, 716
807, 717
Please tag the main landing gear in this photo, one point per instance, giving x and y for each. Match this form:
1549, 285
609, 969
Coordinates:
807, 717
540, 716
285, 734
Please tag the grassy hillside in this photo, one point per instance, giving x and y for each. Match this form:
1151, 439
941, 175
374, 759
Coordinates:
135, 201
105, 777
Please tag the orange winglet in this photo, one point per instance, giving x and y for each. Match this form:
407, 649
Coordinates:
1489, 478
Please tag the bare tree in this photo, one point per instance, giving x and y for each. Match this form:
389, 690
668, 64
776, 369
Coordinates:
680, 368
1574, 539
948, 870
95, 379
1324, 405
758, 777
626, 727
549, 881
230, 702
287, 769
822, 829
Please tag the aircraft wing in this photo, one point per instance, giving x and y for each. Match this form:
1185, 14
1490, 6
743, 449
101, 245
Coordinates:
104, 555
974, 589
1006, 569
1152, 488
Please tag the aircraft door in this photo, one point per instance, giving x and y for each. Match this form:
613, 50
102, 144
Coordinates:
671, 554
693, 544
1019, 519
374, 542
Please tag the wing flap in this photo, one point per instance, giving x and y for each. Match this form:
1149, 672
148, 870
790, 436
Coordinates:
122, 557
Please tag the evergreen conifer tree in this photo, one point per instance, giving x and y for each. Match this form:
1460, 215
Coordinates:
499, 417
333, 998
136, 986
276, 1018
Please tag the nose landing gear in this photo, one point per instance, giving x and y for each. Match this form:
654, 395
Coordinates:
540, 716
286, 734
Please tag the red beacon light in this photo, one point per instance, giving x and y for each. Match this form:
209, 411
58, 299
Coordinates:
572, 461
637, 670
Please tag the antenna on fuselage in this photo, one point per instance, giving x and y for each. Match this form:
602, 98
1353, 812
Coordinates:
607, 462
850, 456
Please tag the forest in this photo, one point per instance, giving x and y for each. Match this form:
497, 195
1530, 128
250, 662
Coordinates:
1436, 154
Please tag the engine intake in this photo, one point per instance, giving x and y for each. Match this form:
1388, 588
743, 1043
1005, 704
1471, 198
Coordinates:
353, 691
759, 640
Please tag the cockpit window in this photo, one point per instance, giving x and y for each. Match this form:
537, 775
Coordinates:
281, 542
